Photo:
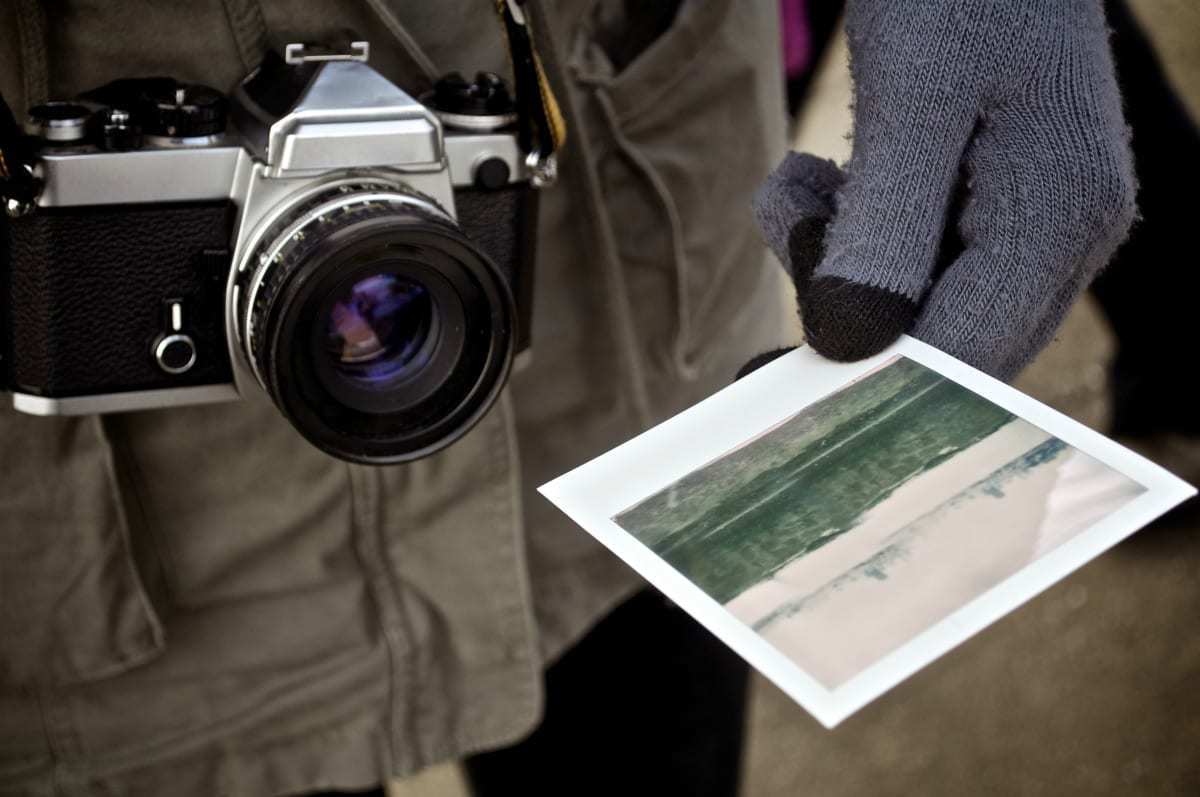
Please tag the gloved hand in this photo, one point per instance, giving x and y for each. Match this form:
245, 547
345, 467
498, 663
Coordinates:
995, 122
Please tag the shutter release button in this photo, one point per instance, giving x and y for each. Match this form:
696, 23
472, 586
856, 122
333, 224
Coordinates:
175, 351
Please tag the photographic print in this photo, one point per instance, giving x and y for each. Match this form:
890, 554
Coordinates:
842, 525
873, 513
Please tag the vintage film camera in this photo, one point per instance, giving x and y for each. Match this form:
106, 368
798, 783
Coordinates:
362, 256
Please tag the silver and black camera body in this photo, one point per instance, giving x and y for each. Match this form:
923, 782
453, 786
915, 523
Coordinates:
362, 256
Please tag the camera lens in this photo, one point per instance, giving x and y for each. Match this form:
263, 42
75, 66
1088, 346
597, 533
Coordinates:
379, 329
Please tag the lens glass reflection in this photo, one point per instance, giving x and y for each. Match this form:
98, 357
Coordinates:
377, 330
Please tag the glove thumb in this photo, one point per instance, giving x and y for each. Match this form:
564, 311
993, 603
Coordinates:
793, 207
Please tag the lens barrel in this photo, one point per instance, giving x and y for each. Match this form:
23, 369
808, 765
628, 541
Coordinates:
377, 327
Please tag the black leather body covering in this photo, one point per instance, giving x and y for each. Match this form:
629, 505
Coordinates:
503, 223
85, 292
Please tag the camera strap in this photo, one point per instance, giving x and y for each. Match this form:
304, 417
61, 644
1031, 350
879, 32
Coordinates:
18, 186
542, 130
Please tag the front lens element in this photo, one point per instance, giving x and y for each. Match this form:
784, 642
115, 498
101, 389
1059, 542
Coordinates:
378, 331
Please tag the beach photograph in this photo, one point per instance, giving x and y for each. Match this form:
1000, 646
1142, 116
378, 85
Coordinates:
870, 515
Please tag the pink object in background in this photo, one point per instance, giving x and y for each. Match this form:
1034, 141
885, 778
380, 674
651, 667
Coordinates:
797, 37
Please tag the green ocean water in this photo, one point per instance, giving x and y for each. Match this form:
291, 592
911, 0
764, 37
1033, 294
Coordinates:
736, 521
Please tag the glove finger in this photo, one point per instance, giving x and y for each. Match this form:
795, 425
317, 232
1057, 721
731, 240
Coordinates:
882, 248
792, 208
1051, 198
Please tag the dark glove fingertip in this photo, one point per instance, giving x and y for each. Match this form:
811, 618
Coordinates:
848, 321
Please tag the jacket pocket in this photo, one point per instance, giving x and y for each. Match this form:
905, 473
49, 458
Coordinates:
686, 129
72, 603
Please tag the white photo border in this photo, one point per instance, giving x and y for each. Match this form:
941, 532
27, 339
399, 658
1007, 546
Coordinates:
594, 493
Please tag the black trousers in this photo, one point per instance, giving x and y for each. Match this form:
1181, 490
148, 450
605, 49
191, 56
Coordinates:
648, 702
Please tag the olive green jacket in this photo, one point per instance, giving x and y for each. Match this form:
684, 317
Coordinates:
195, 601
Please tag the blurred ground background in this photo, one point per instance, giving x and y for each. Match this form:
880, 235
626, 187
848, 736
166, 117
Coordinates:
1092, 688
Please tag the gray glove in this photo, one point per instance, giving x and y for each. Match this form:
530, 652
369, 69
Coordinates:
990, 181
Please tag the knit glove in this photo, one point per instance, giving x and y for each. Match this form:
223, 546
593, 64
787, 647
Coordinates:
990, 180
